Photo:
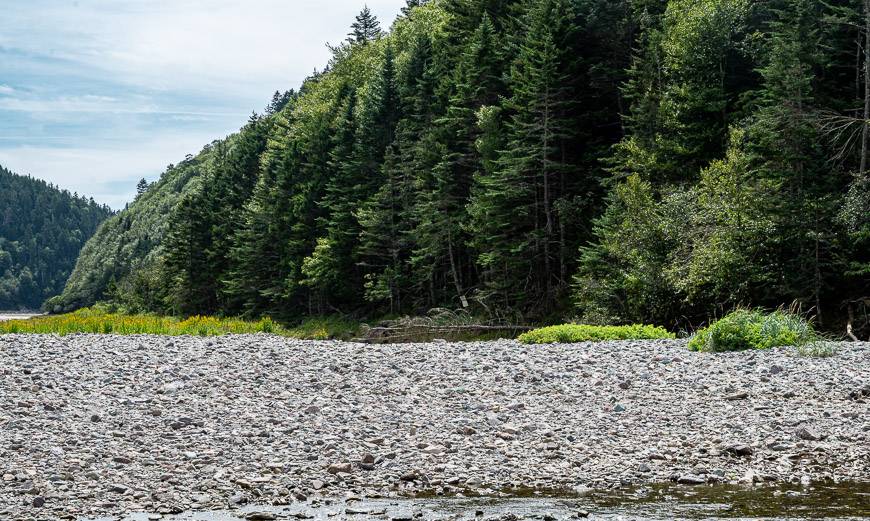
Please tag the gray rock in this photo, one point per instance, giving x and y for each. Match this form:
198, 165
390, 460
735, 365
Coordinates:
118, 488
262, 418
691, 479
806, 434
261, 516
335, 468
739, 449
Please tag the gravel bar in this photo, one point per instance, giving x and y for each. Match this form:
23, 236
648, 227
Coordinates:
104, 425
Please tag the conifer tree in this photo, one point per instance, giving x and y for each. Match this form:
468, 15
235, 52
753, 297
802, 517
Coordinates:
514, 209
441, 234
365, 28
141, 187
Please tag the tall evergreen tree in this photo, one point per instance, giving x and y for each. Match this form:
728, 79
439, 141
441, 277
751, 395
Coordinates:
516, 223
365, 28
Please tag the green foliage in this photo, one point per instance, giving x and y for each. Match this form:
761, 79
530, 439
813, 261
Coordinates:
753, 329
325, 328
572, 333
88, 320
672, 158
102, 320
131, 240
42, 231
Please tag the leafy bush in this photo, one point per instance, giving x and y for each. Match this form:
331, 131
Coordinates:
753, 329
570, 333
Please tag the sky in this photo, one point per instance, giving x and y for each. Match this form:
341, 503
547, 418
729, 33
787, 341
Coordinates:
97, 94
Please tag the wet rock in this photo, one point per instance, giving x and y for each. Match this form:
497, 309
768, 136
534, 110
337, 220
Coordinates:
691, 479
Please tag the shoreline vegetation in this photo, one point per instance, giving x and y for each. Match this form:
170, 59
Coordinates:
98, 321
740, 330
622, 163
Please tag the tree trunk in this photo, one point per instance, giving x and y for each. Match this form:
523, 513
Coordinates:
548, 214
866, 130
456, 281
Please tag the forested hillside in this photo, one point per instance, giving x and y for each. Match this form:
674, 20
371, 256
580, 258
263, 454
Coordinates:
614, 160
42, 230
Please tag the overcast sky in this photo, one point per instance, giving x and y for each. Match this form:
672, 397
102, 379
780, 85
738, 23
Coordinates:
97, 94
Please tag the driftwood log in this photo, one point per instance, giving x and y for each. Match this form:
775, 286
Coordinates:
425, 332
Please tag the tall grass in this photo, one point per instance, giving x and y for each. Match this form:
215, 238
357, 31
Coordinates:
745, 329
97, 321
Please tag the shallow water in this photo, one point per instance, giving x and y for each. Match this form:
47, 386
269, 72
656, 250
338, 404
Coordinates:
8, 315
661, 502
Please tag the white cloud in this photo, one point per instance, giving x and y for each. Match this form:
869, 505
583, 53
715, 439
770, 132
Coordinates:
247, 48
109, 91
96, 104
108, 174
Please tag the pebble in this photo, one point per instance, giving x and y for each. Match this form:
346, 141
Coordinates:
147, 423
806, 434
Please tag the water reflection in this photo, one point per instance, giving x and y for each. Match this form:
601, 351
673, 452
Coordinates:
662, 502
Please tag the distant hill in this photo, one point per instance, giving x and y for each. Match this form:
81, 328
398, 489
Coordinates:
127, 244
42, 231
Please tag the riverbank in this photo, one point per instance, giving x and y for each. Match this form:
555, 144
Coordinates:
16, 315
100, 424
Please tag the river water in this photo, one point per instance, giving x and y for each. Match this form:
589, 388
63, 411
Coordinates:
662, 502
8, 315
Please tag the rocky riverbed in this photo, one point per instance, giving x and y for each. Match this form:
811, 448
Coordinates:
106, 425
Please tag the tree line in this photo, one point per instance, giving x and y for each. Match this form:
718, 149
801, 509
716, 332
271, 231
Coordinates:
42, 229
612, 160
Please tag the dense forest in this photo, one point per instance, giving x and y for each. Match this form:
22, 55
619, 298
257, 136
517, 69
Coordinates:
42, 230
611, 160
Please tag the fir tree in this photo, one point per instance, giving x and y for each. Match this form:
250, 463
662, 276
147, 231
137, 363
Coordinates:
516, 225
365, 28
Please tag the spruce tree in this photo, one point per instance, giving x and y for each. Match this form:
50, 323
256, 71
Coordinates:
365, 28
442, 252
514, 210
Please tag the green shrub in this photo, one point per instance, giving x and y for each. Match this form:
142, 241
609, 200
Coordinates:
570, 333
753, 329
